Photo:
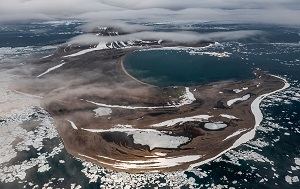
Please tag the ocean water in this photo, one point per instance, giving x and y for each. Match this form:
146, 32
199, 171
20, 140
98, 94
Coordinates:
270, 160
26, 41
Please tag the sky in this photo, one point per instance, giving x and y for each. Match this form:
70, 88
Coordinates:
282, 12
117, 12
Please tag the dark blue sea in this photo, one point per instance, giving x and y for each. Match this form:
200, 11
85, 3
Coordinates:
271, 160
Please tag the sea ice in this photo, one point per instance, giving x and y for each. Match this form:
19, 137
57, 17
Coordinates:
290, 179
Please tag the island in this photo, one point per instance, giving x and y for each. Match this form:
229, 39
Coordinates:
106, 116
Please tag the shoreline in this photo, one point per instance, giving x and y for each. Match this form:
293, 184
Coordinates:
139, 109
130, 76
244, 138
258, 116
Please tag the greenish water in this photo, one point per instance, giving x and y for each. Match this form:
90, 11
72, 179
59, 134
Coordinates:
174, 67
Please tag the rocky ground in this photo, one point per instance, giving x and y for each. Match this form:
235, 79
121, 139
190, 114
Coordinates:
105, 116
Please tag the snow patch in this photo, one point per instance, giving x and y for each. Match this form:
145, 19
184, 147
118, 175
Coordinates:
102, 111
249, 135
100, 46
153, 163
72, 124
186, 98
215, 125
243, 98
228, 116
146, 136
240, 90
181, 120
235, 133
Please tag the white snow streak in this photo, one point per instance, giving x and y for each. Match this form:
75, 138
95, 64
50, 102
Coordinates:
153, 163
72, 124
51, 69
146, 136
100, 46
186, 98
235, 133
181, 120
243, 98
228, 116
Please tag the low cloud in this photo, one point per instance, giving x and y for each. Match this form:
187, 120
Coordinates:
283, 12
190, 37
89, 27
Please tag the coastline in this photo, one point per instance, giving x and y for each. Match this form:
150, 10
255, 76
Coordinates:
250, 134
129, 75
138, 108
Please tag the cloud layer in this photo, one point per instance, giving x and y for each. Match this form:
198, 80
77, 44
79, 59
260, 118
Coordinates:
190, 37
284, 12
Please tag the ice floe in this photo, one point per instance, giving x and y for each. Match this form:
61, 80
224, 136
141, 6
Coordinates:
291, 179
113, 179
13, 102
157, 162
216, 54
74, 186
11, 130
18, 53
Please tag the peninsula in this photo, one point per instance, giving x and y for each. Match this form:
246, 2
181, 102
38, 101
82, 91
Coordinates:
107, 116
